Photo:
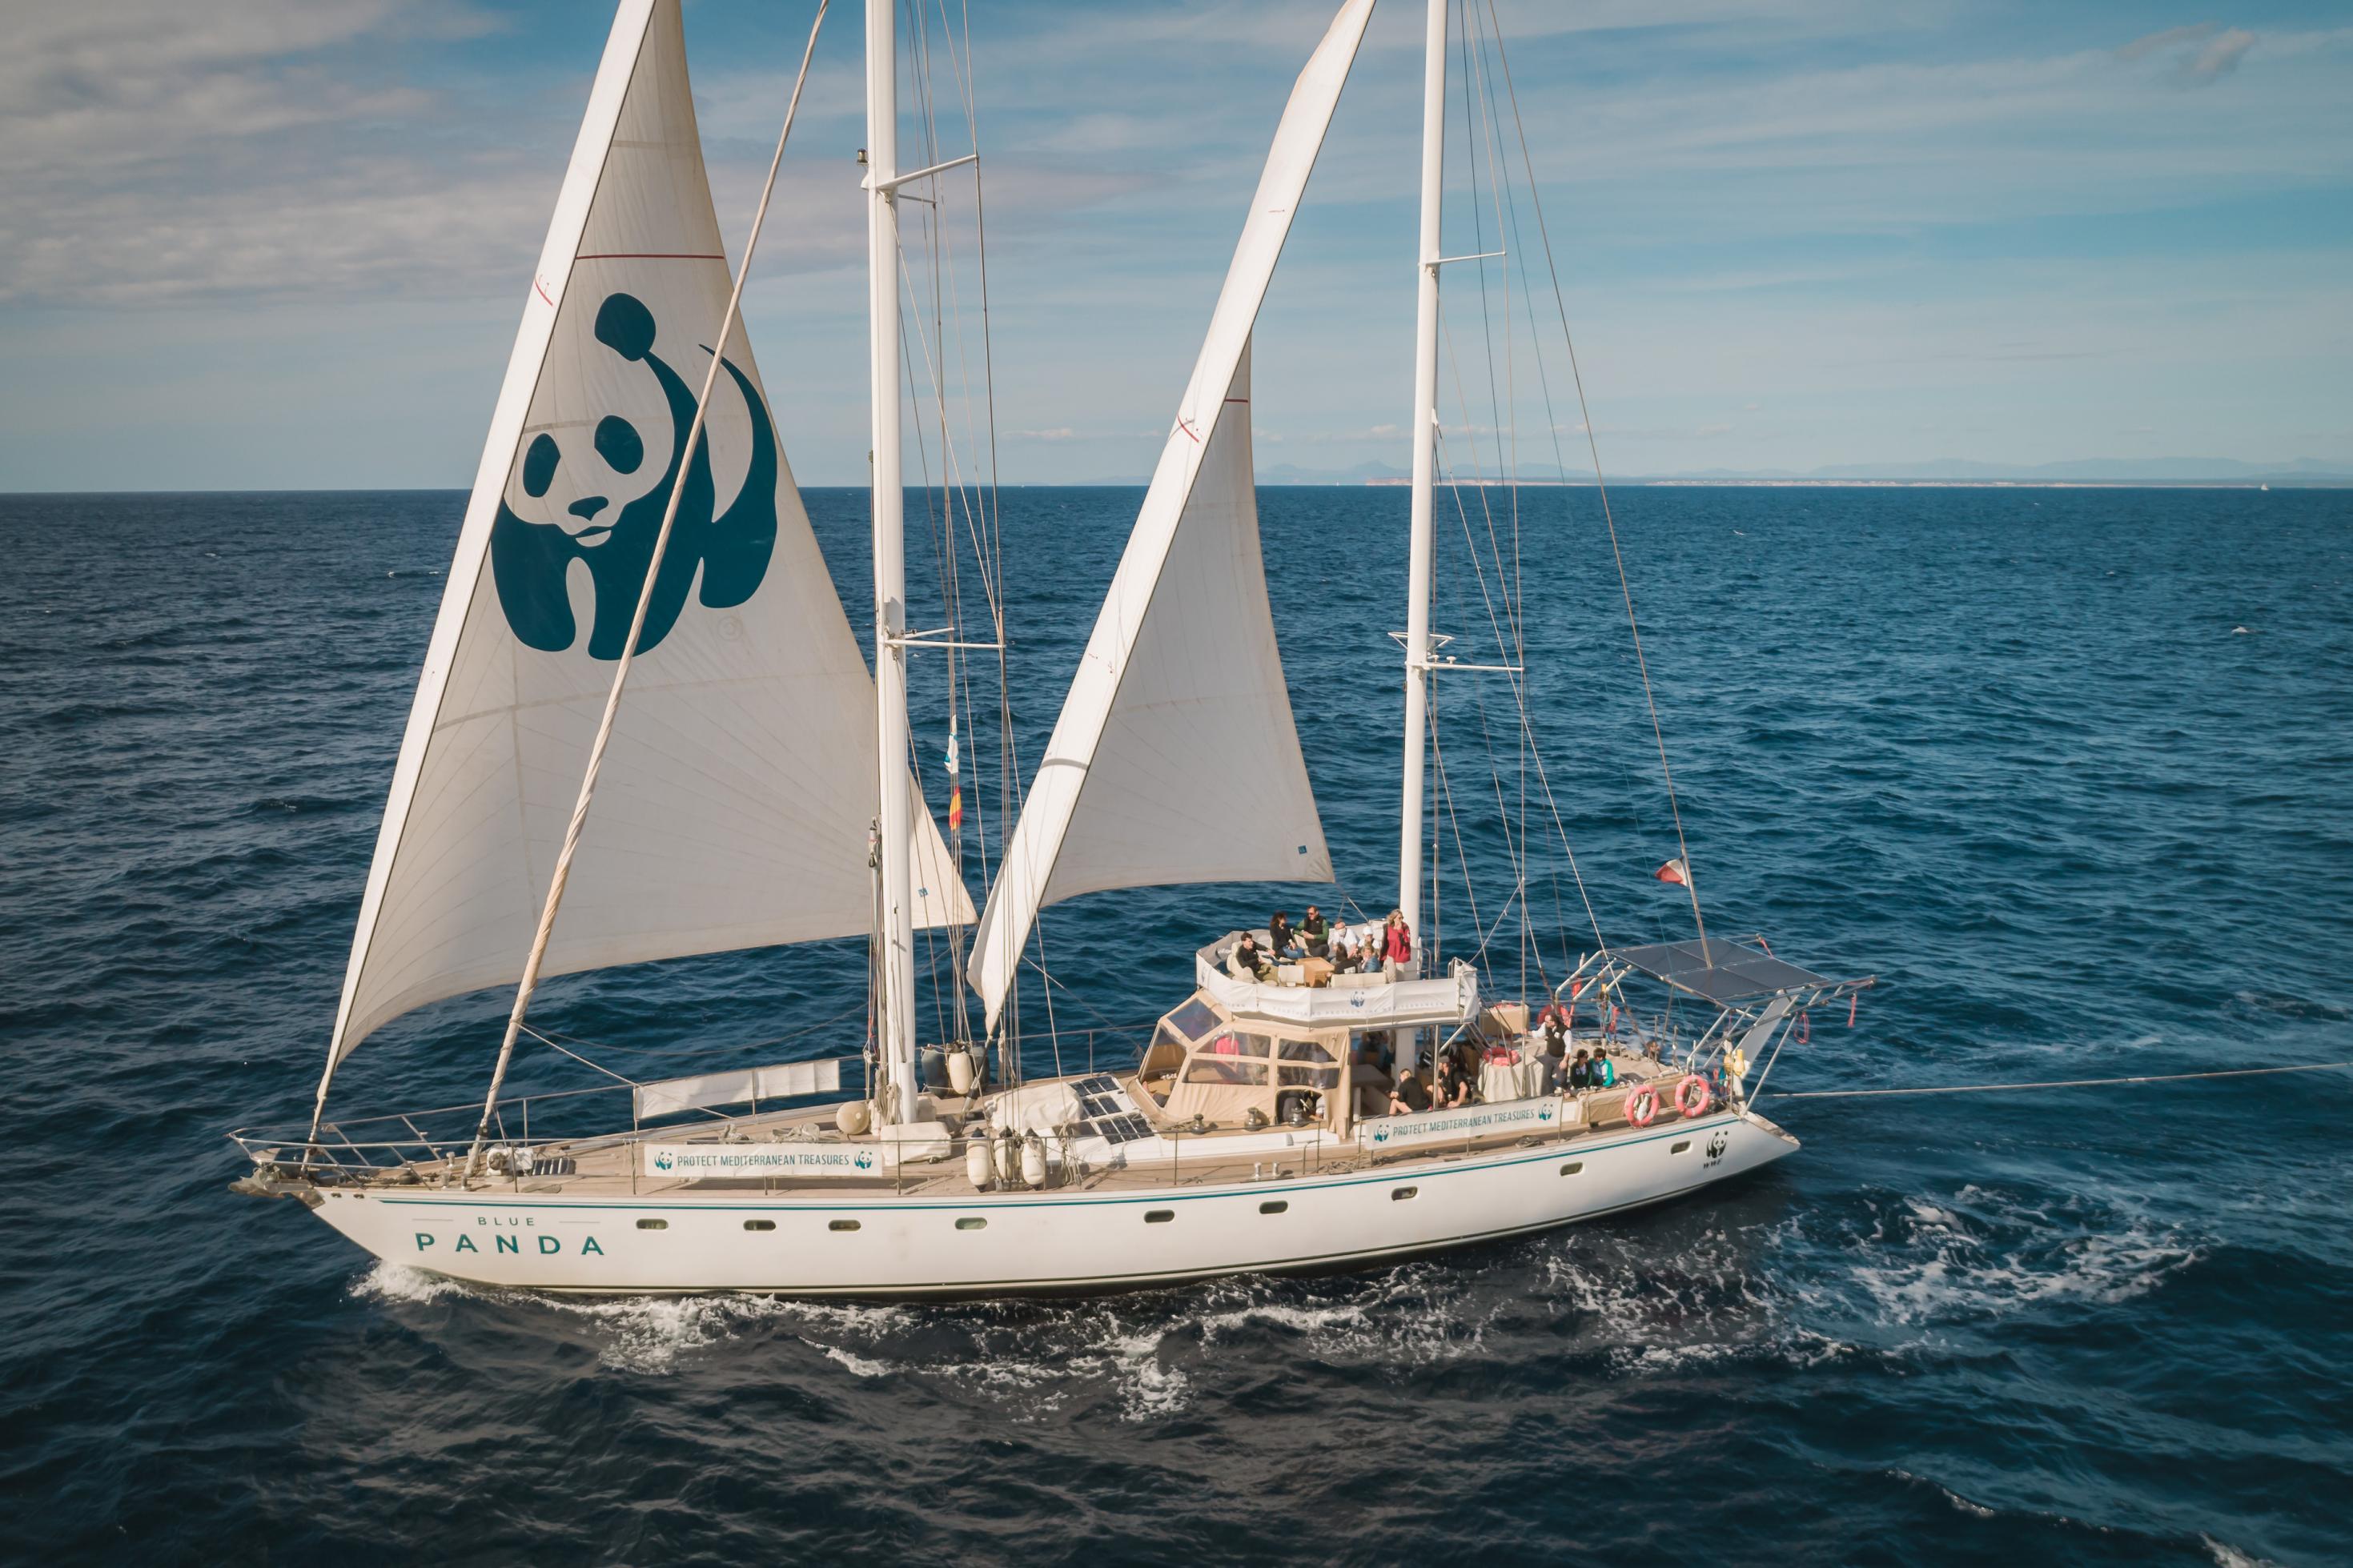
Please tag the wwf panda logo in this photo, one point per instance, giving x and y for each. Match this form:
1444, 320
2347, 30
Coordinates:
529, 559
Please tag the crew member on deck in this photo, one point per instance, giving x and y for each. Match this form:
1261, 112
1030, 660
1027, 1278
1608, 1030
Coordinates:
1247, 962
1409, 1096
1554, 1022
1317, 931
1454, 1083
1397, 945
1278, 935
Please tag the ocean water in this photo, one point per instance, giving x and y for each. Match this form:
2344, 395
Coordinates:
2069, 771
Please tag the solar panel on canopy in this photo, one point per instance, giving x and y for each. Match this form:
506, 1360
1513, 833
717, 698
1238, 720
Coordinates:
1722, 972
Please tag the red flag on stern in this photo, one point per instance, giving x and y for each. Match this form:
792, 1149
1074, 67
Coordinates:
1674, 872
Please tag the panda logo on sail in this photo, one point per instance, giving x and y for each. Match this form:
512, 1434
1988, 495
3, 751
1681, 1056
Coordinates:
530, 560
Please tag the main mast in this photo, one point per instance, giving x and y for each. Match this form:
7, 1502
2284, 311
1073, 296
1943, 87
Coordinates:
896, 1031
1425, 437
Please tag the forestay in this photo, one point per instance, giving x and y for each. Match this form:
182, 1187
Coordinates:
1175, 757
740, 786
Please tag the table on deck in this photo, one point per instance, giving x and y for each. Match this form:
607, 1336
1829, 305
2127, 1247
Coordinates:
1521, 1079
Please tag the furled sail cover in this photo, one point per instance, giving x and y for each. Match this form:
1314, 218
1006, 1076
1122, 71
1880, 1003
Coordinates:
740, 783
1175, 758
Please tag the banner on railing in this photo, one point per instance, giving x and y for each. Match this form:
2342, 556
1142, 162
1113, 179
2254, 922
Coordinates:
785, 1081
752, 1162
1469, 1121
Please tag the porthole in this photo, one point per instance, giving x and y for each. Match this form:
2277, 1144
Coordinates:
841, 1225
1158, 1216
1683, 1146
1573, 1168
759, 1224
1399, 1195
653, 1225
972, 1222
1274, 1207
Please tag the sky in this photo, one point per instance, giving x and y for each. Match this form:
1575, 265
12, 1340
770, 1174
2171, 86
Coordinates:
261, 244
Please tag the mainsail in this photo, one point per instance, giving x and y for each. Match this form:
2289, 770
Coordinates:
739, 785
1175, 757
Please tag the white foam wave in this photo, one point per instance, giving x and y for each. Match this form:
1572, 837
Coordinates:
398, 1282
1990, 1254
858, 1365
2229, 1556
1963, 1505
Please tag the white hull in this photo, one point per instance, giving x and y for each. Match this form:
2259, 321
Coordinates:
1051, 1241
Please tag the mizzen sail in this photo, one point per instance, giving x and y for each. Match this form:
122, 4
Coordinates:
1175, 757
740, 783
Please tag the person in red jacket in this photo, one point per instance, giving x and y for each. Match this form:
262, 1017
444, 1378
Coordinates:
1397, 945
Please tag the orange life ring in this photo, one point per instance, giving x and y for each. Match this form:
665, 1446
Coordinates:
1692, 1096
1641, 1105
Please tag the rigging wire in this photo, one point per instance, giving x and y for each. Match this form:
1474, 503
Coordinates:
2055, 1083
1602, 485
968, 503
1510, 583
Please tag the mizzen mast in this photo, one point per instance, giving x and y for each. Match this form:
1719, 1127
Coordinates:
896, 1027
1425, 440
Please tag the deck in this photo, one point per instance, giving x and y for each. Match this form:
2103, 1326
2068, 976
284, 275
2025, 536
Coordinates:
614, 1164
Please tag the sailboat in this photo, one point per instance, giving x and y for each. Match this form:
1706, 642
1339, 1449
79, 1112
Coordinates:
644, 729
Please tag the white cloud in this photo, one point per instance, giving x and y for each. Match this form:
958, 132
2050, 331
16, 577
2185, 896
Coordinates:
2167, 39
2221, 57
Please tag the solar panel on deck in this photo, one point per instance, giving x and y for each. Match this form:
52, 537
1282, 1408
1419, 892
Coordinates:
1122, 1128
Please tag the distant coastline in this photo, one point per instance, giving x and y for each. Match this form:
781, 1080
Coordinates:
2329, 483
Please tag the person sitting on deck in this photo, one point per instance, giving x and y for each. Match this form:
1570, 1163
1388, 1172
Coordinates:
1454, 1083
1247, 962
1603, 1075
1409, 1096
1278, 935
1316, 932
1581, 1075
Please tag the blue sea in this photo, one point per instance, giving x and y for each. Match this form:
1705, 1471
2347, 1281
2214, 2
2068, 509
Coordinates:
2071, 772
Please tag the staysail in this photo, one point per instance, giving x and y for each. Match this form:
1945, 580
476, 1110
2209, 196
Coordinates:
739, 788
1175, 757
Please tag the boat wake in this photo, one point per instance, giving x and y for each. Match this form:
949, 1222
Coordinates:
1989, 1252
1671, 1298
